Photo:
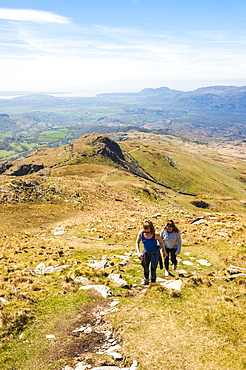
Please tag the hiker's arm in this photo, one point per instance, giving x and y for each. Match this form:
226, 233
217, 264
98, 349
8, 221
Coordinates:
138, 240
158, 237
179, 243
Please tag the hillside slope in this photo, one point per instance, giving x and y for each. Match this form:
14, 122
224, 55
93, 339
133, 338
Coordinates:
167, 165
86, 206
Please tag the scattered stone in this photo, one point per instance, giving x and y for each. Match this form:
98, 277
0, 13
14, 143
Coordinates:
116, 355
88, 330
114, 348
117, 278
80, 329
173, 284
221, 233
197, 219
156, 215
59, 230
125, 262
3, 300
101, 289
200, 221
80, 366
50, 269
236, 269
204, 262
109, 263
181, 271
39, 270
50, 336
114, 302
134, 364
119, 256
82, 280
189, 263
98, 264
160, 280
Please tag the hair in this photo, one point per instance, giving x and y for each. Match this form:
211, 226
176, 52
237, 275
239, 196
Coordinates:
170, 223
149, 225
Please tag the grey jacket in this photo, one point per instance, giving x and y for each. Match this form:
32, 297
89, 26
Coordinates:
171, 240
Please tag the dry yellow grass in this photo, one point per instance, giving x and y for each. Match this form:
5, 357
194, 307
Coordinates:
101, 209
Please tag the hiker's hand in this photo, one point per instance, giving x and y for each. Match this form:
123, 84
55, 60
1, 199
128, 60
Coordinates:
140, 256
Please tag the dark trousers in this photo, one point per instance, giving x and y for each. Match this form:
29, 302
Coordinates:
171, 253
150, 260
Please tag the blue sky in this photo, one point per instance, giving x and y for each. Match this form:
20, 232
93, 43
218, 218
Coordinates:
91, 46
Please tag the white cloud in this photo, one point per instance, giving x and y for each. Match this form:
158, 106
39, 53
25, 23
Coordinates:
60, 57
31, 15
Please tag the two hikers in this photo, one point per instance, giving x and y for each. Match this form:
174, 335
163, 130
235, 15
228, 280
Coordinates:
169, 241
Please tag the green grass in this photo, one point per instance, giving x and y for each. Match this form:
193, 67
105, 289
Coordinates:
30, 352
6, 153
213, 181
197, 328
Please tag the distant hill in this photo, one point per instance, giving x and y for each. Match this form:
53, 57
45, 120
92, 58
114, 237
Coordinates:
207, 112
6, 123
206, 177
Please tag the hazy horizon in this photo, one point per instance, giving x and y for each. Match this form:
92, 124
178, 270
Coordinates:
83, 93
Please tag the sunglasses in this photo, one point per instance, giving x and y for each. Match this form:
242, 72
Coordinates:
147, 232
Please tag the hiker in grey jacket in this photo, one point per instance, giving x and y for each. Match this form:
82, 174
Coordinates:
172, 240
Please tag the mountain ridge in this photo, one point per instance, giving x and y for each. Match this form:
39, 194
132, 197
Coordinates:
166, 164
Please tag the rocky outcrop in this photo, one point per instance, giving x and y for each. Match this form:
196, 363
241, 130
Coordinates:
19, 169
22, 190
200, 204
108, 148
27, 169
5, 166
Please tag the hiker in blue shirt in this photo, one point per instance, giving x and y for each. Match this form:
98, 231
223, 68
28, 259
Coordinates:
172, 240
151, 252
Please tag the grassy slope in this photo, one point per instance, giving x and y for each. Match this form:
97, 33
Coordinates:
192, 173
204, 326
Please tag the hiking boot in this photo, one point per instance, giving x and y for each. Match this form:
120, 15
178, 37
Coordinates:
145, 282
166, 273
174, 267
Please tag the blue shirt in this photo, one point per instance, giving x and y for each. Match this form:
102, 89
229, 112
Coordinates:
150, 245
